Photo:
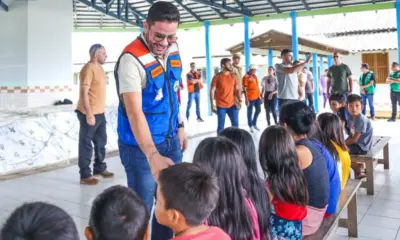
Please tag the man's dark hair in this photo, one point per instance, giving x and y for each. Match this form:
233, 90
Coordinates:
338, 98
395, 64
39, 220
365, 65
163, 12
118, 213
192, 63
354, 98
224, 61
190, 190
285, 51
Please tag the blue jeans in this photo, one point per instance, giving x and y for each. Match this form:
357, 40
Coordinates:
370, 98
233, 114
252, 120
196, 97
141, 180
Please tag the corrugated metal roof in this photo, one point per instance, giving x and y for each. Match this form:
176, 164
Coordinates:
362, 42
339, 23
88, 15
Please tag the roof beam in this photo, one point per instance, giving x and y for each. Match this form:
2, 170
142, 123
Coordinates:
111, 14
242, 7
179, 2
306, 5
219, 6
108, 5
273, 5
135, 11
3, 5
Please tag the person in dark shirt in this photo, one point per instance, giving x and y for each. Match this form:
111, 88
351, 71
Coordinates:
339, 78
367, 87
194, 86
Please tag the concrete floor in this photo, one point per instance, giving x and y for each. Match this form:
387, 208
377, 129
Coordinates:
378, 215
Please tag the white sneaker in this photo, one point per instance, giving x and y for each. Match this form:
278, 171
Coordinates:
256, 128
251, 129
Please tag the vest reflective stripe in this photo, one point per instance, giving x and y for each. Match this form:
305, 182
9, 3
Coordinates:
366, 80
159, 98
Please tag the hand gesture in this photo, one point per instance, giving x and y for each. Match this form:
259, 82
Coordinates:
91, 120
158, 163
309, 57
183, 140
214, 109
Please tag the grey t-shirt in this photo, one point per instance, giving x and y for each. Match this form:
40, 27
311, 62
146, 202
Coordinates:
269, 87
287, 83
362, 125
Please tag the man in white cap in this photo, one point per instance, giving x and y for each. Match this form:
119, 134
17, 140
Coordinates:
253, 97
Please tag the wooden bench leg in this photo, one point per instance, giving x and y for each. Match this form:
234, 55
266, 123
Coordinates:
370, 175
386, 157
352, 217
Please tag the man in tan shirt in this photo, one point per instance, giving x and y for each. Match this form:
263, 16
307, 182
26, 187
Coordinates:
90, 111
237, 70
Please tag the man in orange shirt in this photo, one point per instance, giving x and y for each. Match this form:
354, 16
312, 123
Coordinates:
225, 90
252, 94
90, 111
194, 86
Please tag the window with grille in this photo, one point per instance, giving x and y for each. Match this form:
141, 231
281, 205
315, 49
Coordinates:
379, 64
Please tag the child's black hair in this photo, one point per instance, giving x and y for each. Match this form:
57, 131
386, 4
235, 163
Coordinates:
222, 157
278, 158
39, 220
190, 190
338, 98
331, 125
297, 116
354, 98
118, 213
257, 188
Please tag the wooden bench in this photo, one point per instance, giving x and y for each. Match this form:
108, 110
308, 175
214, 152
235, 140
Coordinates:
348, 198
379, 143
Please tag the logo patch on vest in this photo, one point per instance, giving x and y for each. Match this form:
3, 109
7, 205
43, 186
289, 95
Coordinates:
175, 63
176, 86
159, 95
157, 71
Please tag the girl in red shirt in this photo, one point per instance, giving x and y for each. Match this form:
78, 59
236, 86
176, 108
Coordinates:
286, 183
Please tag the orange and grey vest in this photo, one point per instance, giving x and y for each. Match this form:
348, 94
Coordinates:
159, 97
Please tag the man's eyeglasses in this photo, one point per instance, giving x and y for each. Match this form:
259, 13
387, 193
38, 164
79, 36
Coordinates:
158, 37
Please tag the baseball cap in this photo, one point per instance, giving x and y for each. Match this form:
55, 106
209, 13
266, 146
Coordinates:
253, 66
236, 55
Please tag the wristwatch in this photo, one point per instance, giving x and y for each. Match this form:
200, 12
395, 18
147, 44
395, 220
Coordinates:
181, 125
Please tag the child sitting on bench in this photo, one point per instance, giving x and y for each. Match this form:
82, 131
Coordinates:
359, 130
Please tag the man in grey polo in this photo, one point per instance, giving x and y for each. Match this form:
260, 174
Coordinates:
286, 74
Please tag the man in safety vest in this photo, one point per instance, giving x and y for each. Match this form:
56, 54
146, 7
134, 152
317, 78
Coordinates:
252, 93
367, 87
150, 127
194, 86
